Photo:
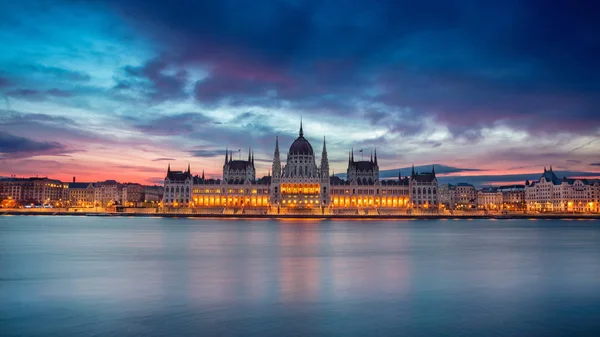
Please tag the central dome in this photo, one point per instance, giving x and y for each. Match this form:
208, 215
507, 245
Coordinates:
301, 145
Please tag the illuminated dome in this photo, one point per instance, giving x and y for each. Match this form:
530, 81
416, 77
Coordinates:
301, 145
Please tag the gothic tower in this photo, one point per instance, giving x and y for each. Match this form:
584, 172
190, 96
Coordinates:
276, 175
325, 192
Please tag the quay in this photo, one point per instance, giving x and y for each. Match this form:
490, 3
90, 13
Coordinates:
241, 214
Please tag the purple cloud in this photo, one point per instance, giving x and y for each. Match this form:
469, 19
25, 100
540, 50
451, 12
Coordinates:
20, 147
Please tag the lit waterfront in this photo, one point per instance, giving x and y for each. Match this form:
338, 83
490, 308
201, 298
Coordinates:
156, 276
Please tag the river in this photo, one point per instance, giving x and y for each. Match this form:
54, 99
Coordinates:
84, 276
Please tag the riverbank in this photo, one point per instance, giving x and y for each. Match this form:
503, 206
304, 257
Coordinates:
308, 216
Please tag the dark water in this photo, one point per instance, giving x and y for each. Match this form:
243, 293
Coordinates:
77, 276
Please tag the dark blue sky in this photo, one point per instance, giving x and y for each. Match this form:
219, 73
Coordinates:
120, 88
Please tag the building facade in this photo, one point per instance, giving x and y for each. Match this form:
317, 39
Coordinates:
553, 194
35, 190
303, 182
107, 193
513, 197
82, 194
490, 198
423, 189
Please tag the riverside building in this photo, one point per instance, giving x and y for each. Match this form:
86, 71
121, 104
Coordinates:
553, 194
303, 182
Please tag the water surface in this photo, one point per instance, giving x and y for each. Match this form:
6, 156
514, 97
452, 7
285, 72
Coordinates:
81, 276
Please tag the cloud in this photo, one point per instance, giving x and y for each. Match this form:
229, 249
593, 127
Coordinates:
483, 180
20, 147
207, 153
595, 164
156, 79
4, 82
164, 159
56, 73
302, 55
439, 170
172, 124
33, 94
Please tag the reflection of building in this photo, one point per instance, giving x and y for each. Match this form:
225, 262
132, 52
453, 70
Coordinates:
550, 193
490, 198
299, 184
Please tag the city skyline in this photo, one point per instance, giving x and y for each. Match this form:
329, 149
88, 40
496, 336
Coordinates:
117, 90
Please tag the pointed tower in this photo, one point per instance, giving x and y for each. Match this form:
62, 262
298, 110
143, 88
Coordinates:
226, 152
202, 175
324, 161
276, 174
301, 133
433, 169
189, 171
413, 170
169, 168
376, 158
325, 181
249, 156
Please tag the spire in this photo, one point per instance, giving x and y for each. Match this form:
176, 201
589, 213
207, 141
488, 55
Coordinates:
413, 169
188, 170
544, 169
202, 174
226, 151
276, 167
169, 168
249, 157
324, 162
353, 154
550, 168
301, 132
230, 156
252, 158
399, 175
433, 169
376, 157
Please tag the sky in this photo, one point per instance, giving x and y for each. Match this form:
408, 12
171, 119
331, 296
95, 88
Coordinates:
490, 91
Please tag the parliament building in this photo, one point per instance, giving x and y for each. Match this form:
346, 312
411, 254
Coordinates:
301, 184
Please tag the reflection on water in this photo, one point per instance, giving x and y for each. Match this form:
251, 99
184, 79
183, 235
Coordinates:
154, 276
